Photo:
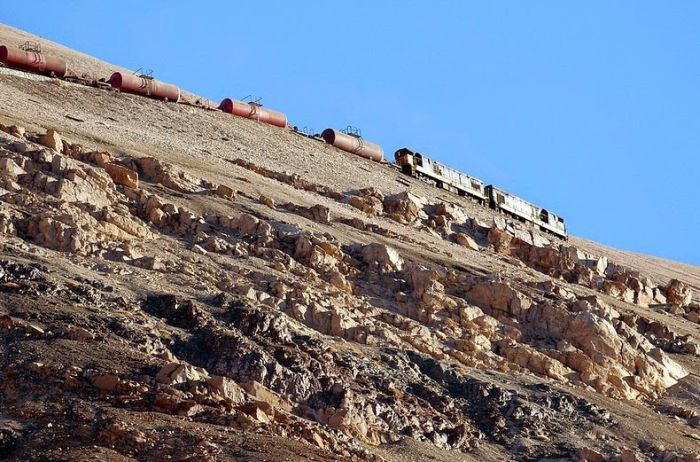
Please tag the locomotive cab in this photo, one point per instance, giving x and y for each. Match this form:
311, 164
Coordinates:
407, 159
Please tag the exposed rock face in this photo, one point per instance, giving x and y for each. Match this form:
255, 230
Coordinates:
403, 207
465, 241
317, 213
122, 175
173, 317
593, 345
168, 175
574, 265
176, 373
678, 293
10, 169
14, 130
369, 200
385, 257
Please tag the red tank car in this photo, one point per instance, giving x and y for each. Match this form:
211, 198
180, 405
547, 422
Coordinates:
271, 117
144, 86
253, 111
353, 144
33, 61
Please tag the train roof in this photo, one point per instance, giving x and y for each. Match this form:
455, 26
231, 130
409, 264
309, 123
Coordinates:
526, 201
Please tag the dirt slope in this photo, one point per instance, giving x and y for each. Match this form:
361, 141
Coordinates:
181, 284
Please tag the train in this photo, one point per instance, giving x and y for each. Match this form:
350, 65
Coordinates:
441, 176
29, 57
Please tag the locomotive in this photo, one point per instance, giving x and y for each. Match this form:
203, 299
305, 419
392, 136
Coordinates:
417, 165
31, 59
420, 166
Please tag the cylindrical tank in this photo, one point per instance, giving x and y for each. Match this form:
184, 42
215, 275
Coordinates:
253, 111
32, 61
130, 83
353, 144
271, 117
236, 107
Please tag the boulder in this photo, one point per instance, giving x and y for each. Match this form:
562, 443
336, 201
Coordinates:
500, 240
369, 204
246, 224
9, 168
61, 164
226, 388
122, 175
168, 175
14, 130
403, 207
594, 335
266, 200
340, 322
264, 394
175, 373
52, 140
318, 213
339, 281
469, 313
99, 158
618, 290
421, 279
589, 455
386, 257
678, 293
464, 240
225, 191
149, 263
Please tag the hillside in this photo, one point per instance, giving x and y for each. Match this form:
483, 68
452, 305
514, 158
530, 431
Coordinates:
182, 284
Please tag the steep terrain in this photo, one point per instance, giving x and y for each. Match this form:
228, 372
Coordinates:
182, 284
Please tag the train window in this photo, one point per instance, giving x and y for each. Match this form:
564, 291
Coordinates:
544, 216
500, 199
419, 160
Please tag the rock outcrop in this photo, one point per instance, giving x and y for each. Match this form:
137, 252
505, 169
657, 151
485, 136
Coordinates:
149, 313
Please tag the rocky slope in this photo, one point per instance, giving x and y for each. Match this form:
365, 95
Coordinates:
180, 284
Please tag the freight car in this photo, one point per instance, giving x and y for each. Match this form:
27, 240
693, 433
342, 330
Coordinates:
417, 165
350, 140
523, 210
30, 58
255, 111
144, 85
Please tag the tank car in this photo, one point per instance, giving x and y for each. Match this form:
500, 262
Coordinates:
32, 60
253, 111
144, 85
351, 141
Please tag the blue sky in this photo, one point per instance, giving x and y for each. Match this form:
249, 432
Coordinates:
591, 109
